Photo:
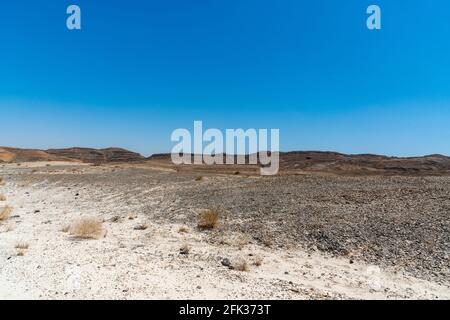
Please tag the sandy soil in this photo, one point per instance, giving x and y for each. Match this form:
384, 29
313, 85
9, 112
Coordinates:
146, 264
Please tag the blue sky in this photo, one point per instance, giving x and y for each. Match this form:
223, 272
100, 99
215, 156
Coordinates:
140, 69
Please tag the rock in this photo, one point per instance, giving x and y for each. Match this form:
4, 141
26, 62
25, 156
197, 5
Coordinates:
226, 262
141, 227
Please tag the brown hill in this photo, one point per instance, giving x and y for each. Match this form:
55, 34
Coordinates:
290, 162
363, 163
97, 155
72, 154
338, 163
24, 155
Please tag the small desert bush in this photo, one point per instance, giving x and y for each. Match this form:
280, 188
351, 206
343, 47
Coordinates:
5, 213
183, 230
185, 249
268, 241
240, 265
22, 245
87, 228
21, 248
258, 261
115, 219
132, 216
2, 197
21, 252
141, 227
209, 219
199, 178
242, 242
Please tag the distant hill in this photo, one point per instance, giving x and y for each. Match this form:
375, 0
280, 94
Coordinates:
366, 164
290, 162
88, 155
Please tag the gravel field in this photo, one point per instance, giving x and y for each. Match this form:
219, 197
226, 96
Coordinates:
399, 224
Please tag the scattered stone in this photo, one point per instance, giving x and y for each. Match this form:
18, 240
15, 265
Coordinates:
226, 262
141, 227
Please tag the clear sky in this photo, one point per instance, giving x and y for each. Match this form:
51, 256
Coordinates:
140, 69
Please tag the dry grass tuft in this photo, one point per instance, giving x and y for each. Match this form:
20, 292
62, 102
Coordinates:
209, 219
258, 261
268, 241
183, 230
21, 249
87, 228
241, 265
132, 216
242, 243
141, 227
115, 219
5, 213
2, 197
21, 252
22, 245
185, 249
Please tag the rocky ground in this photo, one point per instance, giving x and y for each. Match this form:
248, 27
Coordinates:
302, 236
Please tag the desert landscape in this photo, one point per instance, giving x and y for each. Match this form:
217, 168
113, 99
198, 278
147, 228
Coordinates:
111, 224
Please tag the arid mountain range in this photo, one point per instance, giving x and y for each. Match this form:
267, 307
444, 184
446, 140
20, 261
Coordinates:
290, 162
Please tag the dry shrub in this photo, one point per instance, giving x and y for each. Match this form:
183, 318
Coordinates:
242, 242
132, 216
240, 265
21, 249
115, 219
5, 213
183, 230
185, 249
209, 219
21, 252
268, 241
2, 197
87, 228
258, 261
22, 245
141, 227
199, 178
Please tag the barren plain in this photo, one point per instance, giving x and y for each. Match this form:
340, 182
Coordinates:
302, 236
